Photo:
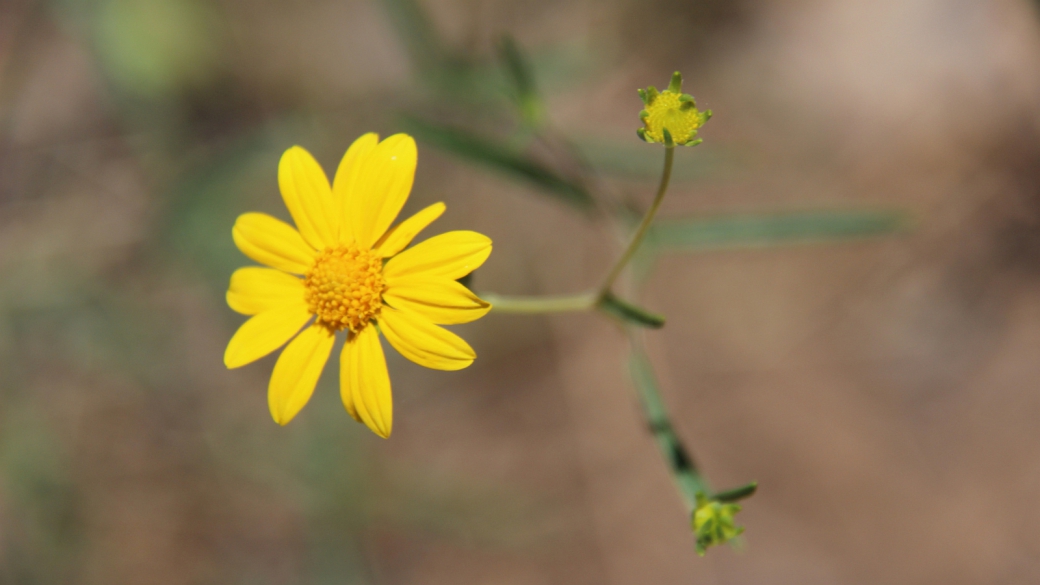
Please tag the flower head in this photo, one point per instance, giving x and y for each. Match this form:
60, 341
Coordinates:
671, 116
713, 523
343, 268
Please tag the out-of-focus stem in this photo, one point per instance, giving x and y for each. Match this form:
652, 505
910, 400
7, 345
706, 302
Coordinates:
644, 225
688, 479
548, 304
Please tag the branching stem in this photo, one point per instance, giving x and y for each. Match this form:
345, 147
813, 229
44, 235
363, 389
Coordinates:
588, 301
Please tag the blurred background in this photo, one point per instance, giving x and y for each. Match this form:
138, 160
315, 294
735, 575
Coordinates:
849, 267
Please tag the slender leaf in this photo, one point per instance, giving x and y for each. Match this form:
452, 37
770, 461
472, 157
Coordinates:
630, 313
493, 155
737, 494
744, 231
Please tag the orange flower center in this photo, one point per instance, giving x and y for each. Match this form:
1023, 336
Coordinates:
344, 288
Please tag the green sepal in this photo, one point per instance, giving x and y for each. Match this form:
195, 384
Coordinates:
667, 137
643, 96
651, 95
705, 116
630, 313
643, 115
737, 494
694, 142
675, 85
641, 133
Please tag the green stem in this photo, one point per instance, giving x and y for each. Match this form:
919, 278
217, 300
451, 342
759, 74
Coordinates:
554, 304
684, 470
644, 226
586, 301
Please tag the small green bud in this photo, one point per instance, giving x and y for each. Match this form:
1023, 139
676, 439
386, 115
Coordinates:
713, 523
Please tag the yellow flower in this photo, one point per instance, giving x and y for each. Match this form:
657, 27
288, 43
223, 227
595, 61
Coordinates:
344, 268
671, 116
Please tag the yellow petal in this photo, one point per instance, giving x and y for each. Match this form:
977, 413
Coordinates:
254, 290
442, 301
401, 235
365, 382
264, 333
423, 342
354, 390
345, 387
306, 192
297, 371
345, 182
450, 255
382, 188
272, 242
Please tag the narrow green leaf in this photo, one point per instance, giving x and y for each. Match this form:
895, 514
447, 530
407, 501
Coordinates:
737, 494
743, 231
630, 313
496, 156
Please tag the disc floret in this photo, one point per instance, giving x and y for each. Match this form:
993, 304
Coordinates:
344, 288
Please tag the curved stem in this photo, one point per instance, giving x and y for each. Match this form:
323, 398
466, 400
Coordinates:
549, 304
644, 226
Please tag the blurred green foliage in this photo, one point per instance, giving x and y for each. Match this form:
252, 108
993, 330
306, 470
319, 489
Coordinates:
793, 227
43, 524
500, 157
155, 48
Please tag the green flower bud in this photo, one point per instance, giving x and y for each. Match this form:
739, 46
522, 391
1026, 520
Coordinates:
671, 112
713, 523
